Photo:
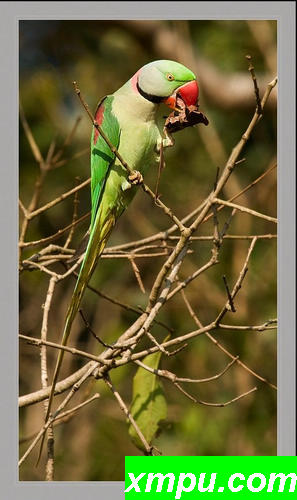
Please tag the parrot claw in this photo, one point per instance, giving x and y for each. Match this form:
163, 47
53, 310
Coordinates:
135, 178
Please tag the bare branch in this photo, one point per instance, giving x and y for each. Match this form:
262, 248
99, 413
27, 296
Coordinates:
65, 416
230, 306
126, 412
33, 145
44, 378
51, 419
245, 209
238, 283
55, 236
256, 88
137, 272
205, 403
62, 386
268, 325
221, 347
87, 324
174, 378
57, 200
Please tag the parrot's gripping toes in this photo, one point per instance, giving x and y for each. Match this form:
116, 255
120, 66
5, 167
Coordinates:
135, 178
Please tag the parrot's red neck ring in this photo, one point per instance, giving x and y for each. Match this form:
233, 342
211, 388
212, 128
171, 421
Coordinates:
149, 97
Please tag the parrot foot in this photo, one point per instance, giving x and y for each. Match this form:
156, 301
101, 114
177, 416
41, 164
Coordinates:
135, 178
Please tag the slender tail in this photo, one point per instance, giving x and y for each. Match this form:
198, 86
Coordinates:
97, 241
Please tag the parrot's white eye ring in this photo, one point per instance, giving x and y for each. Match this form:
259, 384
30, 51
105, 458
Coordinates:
170, 77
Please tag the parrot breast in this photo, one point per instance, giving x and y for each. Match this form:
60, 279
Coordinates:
139, 131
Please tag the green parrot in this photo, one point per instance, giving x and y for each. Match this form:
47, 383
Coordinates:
128, 118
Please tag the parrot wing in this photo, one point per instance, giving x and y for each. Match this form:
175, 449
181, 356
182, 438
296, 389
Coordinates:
101, 155
101, 160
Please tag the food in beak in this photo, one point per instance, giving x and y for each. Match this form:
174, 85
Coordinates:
184, 116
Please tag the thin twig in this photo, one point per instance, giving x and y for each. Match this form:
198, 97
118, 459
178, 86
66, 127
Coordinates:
42, 431
55, 236
62, 386
256, 88
136, 271
87, 325
174, 378
244, 209
74, 218
238, 283
57, 200
160, 168
221, 347
67, 141
71, 350
64, 416
70, 159
206, 403
127, 413
230, 299
167, 235
44, 378
268, 325
127, 307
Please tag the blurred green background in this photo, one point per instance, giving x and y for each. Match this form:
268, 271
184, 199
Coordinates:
101, 56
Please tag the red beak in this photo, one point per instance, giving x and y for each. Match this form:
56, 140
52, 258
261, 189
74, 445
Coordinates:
188, 92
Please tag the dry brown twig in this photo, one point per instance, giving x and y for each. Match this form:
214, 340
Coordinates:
64, 416
61, 407
256, 88
127, 413
166, 284
44, 378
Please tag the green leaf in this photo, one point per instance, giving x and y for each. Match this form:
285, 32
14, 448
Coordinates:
149, 405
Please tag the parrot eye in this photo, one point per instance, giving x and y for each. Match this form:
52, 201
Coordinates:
170, 77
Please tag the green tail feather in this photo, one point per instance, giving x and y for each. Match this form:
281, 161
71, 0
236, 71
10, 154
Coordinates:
96, 245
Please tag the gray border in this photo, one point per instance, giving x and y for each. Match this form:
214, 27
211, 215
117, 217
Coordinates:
11, 12
286, 411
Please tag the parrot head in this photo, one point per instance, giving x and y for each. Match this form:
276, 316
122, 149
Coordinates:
164, 81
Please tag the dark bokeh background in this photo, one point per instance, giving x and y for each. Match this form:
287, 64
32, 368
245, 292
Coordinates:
101, 56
